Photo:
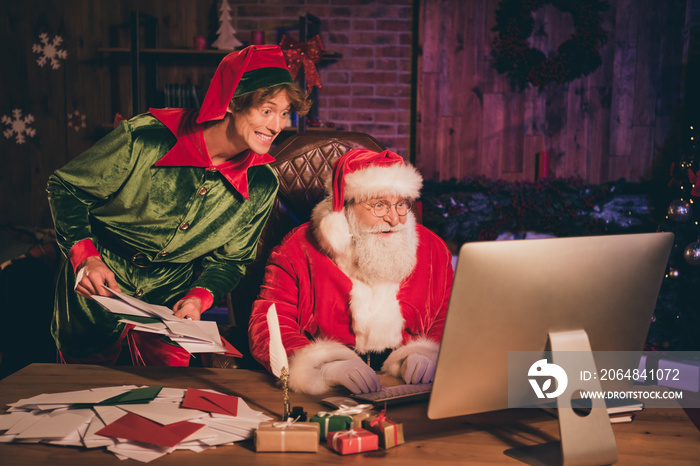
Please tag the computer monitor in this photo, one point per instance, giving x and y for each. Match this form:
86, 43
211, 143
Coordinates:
558, 294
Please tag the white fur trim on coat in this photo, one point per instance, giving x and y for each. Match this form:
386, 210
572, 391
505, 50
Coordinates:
377, 321
305, 365
420, 345
332, 231
332, 227
393, 180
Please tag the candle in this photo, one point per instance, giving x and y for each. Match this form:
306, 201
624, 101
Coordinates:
257, 37
200, 42
542, 165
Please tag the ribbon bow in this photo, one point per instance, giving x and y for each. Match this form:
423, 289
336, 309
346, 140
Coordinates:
345, 410
381, 417
285, 424
308, 54
351, 433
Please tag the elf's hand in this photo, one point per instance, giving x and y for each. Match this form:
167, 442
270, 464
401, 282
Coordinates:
91, 275
188, 308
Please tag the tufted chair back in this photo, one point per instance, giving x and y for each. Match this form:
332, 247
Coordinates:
304, 164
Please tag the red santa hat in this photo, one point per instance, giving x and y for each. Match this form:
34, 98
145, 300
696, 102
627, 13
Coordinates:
362, 174
241, 73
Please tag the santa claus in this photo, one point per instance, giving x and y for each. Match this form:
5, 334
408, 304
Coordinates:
362, 286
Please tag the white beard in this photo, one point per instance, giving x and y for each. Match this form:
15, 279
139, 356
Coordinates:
379, 258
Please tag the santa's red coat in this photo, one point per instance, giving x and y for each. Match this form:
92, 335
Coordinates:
312, 296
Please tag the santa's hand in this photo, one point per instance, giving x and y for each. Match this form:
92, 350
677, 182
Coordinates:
354, 374
92, 275
417, 368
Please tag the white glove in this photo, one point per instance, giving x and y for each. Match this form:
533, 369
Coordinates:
353, 374
417, 368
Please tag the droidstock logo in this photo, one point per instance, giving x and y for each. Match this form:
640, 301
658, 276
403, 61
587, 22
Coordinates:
541, 369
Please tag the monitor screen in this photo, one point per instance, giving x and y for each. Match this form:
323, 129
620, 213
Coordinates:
512, 295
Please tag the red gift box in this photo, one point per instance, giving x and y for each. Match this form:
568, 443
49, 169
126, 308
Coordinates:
350, 441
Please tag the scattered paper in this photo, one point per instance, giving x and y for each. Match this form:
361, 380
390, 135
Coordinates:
211, 402
134, 427
163, 413
151, 422
134, 396
57, 425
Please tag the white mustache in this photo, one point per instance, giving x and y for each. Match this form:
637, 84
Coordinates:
379, 228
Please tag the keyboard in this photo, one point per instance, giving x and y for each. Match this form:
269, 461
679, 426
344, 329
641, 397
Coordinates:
397, 394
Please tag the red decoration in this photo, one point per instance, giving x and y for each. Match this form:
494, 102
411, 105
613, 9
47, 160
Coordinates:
118, 117
694, 179
308, 54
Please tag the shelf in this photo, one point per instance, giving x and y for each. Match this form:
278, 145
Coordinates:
145, 57
327, 56
126, 51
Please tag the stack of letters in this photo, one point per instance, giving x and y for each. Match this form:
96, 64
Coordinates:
141, 423
196, 336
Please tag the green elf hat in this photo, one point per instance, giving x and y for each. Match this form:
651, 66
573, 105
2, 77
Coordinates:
241, 73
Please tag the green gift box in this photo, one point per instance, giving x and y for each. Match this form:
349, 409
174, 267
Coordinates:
330, 422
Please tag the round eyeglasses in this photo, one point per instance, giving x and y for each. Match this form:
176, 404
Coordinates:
382, 208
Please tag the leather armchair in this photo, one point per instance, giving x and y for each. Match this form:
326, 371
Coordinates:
304, 165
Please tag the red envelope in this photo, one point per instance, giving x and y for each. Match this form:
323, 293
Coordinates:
230, 350
210, 402
134, 427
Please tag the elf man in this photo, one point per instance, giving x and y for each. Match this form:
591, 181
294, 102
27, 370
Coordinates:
162, 192
361, 286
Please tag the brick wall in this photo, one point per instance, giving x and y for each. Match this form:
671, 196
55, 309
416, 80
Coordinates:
369, 88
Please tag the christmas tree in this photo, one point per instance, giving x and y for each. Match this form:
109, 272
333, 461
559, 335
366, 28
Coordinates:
676, 321
227, 39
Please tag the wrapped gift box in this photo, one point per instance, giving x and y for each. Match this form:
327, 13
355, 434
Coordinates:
351, 441
287, 436
671, 373
358, 413
682, 375
389, 432
330, 422
359, 418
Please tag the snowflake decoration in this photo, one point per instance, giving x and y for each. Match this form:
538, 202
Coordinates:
49, 51
76, 120
19, 126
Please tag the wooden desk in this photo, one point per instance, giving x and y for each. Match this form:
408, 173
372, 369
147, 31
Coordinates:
654, 437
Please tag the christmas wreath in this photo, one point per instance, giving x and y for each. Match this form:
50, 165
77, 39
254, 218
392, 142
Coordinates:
523, 64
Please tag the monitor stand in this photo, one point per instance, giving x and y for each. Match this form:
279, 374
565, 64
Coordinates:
585, 440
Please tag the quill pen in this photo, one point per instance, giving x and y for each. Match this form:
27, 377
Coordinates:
278, 356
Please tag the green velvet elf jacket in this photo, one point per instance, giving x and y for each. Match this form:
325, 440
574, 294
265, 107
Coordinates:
151, 183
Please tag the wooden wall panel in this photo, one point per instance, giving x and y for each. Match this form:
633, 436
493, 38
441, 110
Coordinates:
82, 82
607, 125
492, 134
469, 121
